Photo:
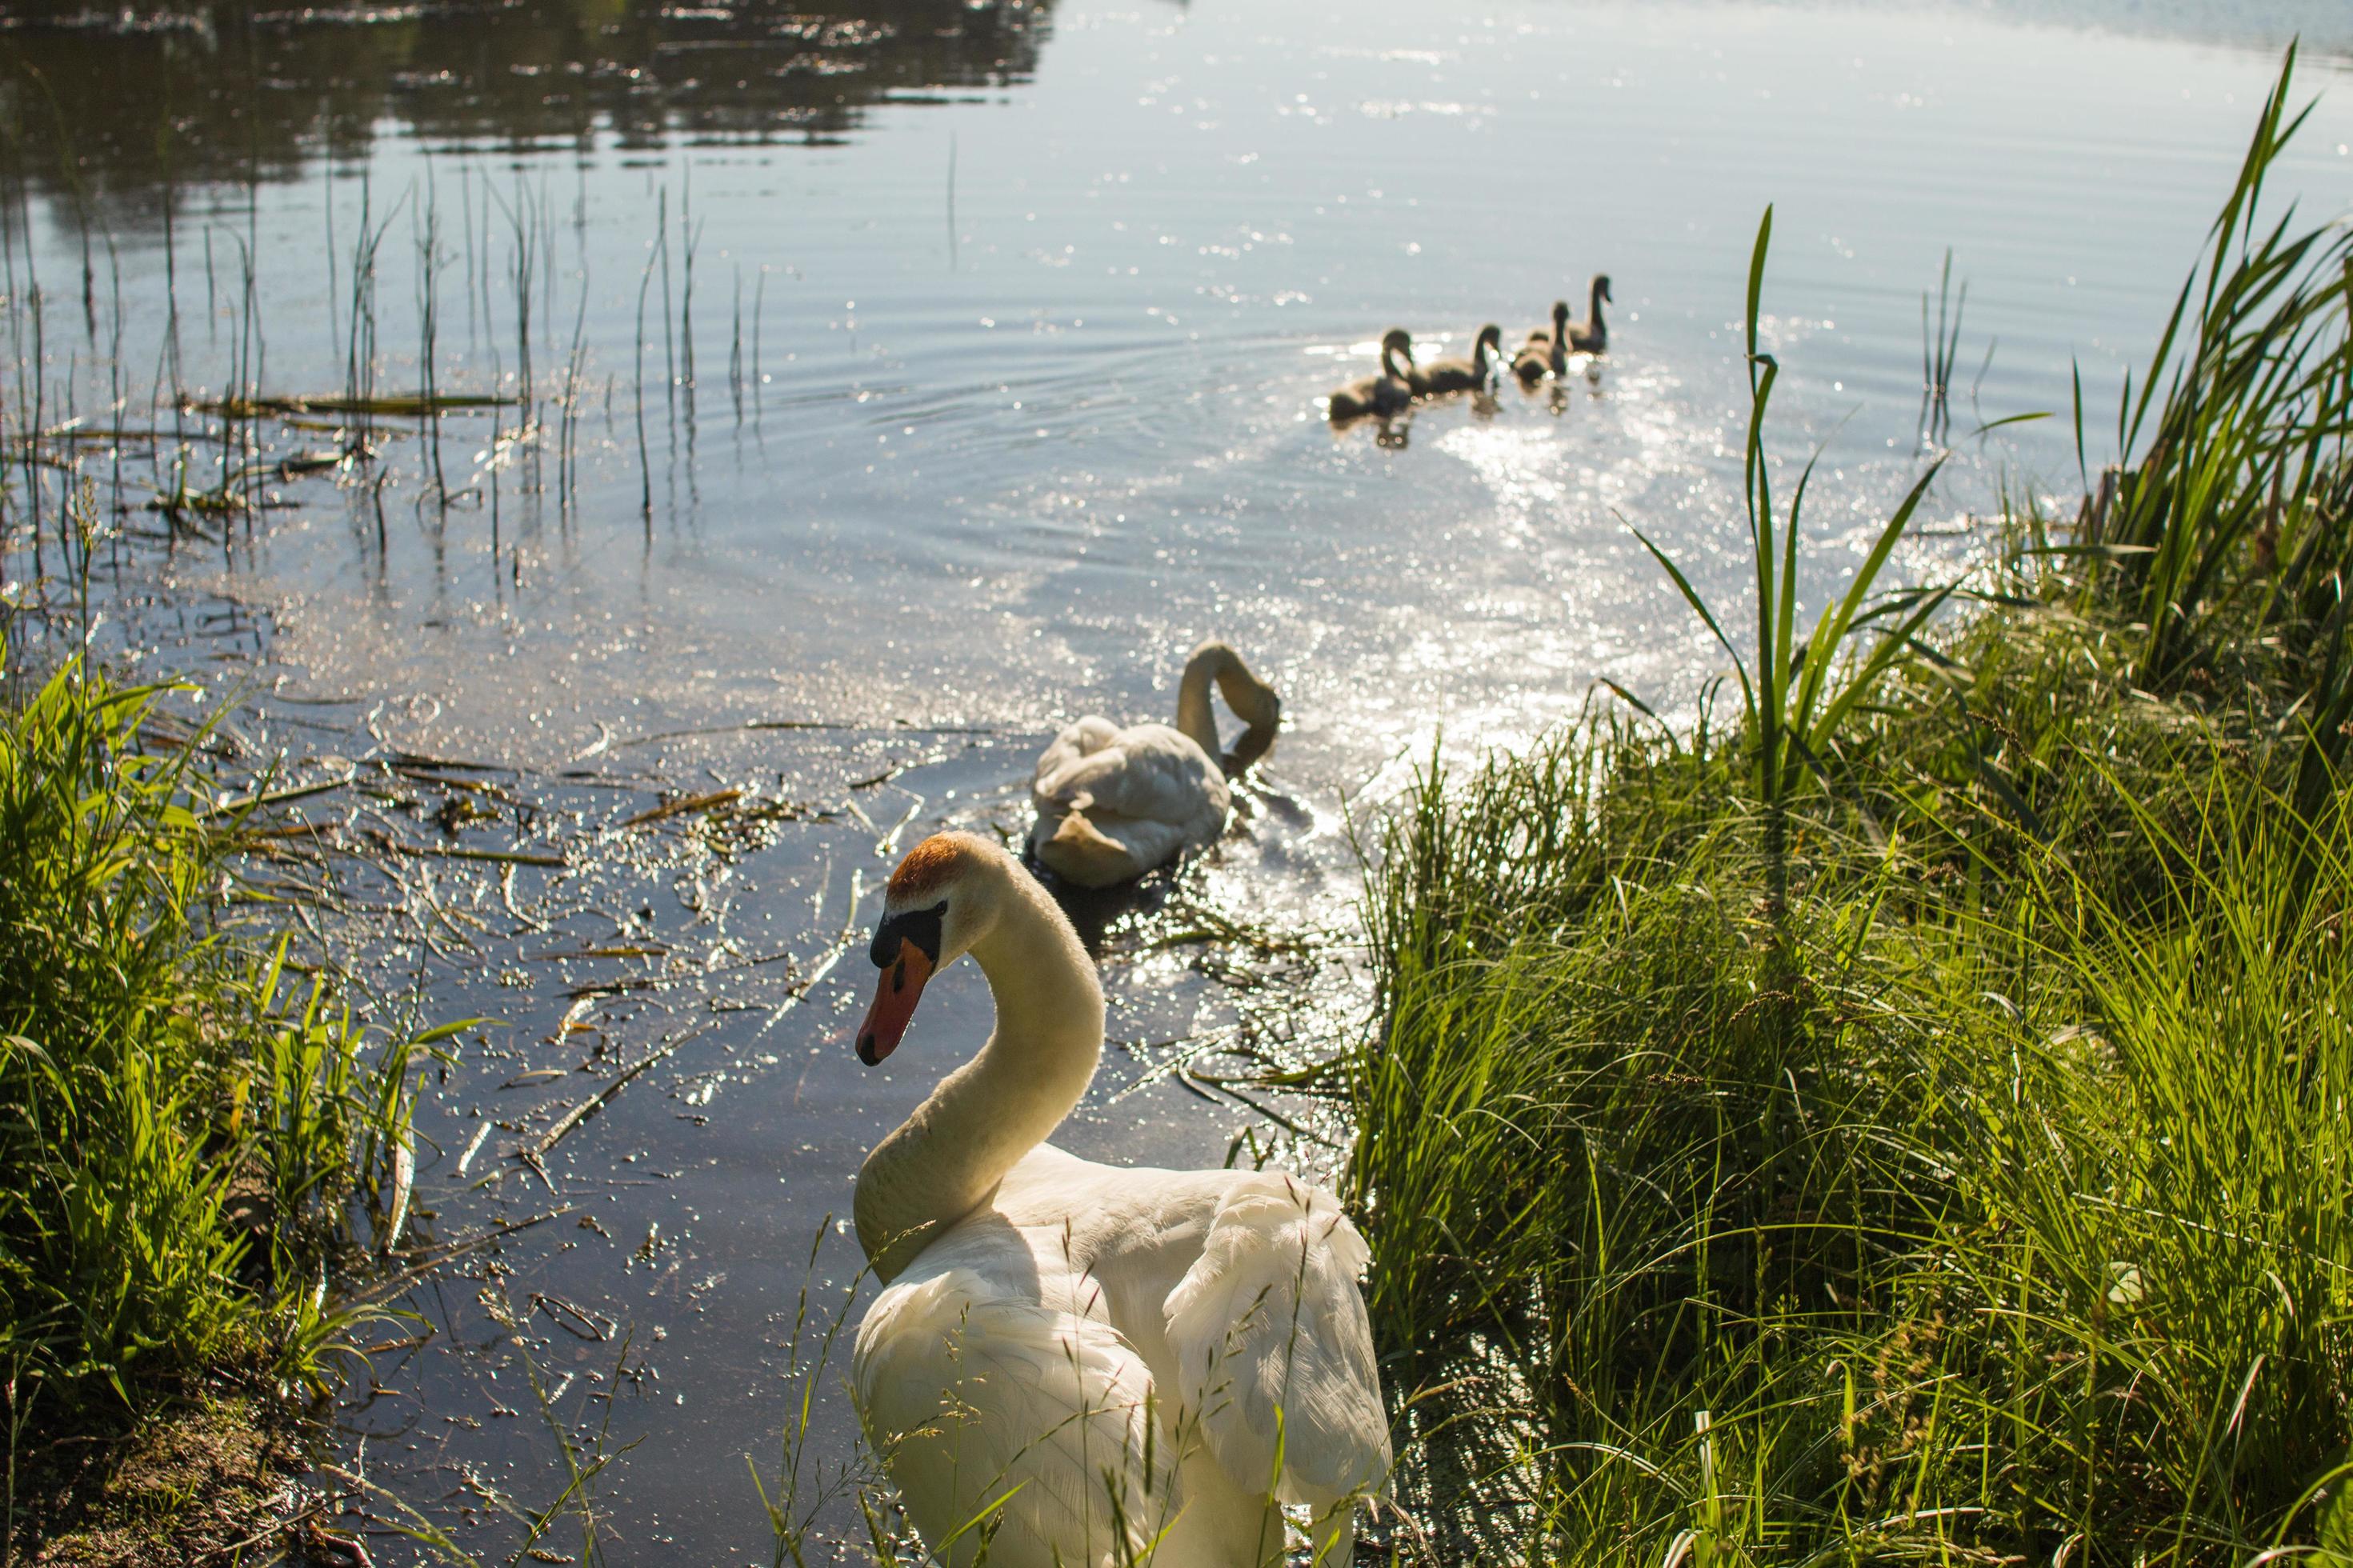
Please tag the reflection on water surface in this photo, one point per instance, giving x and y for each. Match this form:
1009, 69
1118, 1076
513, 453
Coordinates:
142, 103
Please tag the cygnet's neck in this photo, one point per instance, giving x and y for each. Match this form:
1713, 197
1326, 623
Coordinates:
946, 1160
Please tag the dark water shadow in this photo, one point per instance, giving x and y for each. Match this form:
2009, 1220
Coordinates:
1094, 912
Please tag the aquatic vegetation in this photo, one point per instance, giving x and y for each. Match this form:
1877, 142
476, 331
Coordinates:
190, 1127
2224, 520
1906, 1120
1793, 694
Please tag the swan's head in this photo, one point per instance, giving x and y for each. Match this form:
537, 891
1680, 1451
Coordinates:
1559, 312
1491, 337
1397, 340
941, 899
1601, 288
1261, 709
1255, 703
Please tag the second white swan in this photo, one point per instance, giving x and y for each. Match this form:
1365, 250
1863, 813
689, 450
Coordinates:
1114, 802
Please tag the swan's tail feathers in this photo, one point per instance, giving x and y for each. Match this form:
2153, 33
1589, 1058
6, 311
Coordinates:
1269, 1330
1015, 1425
1080, 852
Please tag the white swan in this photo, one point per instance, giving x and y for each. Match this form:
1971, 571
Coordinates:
1102, 1366
1114, 802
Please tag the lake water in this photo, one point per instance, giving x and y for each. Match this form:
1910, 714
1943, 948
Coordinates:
990, 387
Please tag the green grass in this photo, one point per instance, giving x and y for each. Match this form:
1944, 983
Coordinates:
185, 1123
1913, 1117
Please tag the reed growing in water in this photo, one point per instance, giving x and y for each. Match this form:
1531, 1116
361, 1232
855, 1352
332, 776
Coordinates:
1915, 1126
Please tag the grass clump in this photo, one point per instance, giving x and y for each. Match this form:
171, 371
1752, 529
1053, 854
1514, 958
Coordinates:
183, 1125
1909, 1119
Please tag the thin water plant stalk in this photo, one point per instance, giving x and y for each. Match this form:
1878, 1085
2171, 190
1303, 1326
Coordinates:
566, 478
644, 463
1795, 694
669, 320
690, 241
1940, 351
735, 348
523, 265
427, 218
802, 1494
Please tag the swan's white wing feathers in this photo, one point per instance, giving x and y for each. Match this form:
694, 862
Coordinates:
1092, 733
1148, 772
1138, 797
972, 1395
1270, 1319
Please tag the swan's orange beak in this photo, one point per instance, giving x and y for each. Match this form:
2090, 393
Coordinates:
899, 987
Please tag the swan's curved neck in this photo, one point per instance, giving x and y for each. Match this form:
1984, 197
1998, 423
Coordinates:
1593, 307
1388, 362
947, 1159
1195, 720
1479, 357
1243, 692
